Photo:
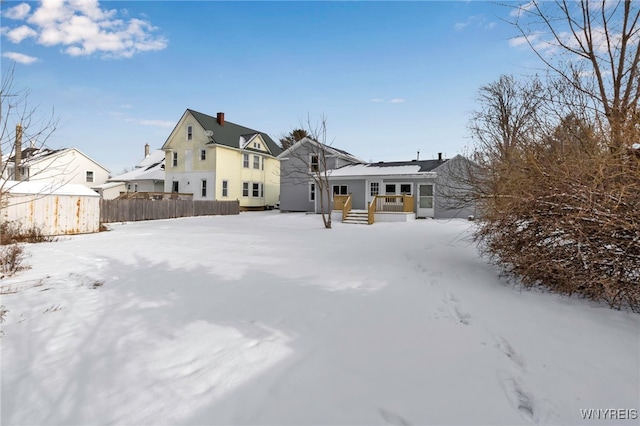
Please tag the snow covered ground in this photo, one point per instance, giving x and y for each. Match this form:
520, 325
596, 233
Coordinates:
267, 318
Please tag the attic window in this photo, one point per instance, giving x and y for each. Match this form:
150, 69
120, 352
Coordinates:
89, 176
314, 163
189, 133
257, 145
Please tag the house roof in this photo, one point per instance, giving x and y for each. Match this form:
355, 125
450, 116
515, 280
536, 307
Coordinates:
230, 133
330, 149
150, 168
153, 158
391, 168
34, 155
47, 188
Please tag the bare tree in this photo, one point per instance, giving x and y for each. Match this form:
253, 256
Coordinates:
19, 122
308, 163
595, 47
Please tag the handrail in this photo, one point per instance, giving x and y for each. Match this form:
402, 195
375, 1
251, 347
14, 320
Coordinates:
371, 211
338, 201
346, 208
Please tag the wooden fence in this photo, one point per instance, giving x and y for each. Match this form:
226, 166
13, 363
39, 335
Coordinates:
140, 209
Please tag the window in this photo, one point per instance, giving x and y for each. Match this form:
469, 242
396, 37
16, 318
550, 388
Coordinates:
203, 154
312, 192
390, 189
256, 190
405, 188
426, 196
225, 188
135, 187
245, 189
174, 161
174, 188
261, 191
340, 190
89, 176
189, 133
314, 163
245, 161
203, 188
374, 188
256, 162
257, 145
128, 187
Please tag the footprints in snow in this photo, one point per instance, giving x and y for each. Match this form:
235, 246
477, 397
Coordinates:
531, 409
392, 418
450, 309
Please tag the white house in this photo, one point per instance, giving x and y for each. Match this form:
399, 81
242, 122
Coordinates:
147, 176
58, 166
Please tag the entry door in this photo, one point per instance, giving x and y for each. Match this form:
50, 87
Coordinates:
374, 188
425, 200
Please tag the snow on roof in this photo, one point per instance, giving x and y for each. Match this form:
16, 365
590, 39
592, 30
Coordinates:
151, 173
107, 185
47, 188
151, 159
370, 170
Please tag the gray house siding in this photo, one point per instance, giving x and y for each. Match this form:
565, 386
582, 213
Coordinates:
295, 178
294, 182
451, 190
356, 188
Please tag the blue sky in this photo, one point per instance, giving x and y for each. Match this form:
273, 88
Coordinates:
391, 78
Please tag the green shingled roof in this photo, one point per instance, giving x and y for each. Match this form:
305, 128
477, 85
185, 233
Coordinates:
230, 133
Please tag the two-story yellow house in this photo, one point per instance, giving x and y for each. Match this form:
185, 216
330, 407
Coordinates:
214, 159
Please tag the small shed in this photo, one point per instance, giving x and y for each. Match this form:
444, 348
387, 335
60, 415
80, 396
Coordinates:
53, 208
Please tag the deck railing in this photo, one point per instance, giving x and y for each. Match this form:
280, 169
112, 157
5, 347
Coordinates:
346, 207
372, 210
339, 201
390, 203
394, 203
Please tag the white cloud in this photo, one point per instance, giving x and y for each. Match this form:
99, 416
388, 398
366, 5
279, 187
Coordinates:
16, 35
20, 58
397, 100
460, 25
18, 12
82, 27
158, 123
476, 21
376, 100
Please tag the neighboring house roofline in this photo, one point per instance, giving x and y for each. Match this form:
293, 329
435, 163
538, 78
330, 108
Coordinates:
56, 153
334, 151
227, 134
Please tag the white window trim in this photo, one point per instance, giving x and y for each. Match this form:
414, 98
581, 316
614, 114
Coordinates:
317, 164
245, 161
225, 188
254, 162
203, 188
312, 190
253, 189
203, 152
174, 159
248, 189
86, 176
189, 133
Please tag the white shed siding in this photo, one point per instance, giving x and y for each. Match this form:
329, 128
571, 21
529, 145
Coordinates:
61, 212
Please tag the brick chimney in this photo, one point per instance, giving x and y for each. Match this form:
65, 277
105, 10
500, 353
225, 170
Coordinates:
146, 150
18, 155
220, 118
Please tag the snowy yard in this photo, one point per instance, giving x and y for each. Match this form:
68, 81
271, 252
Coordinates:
267, 318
